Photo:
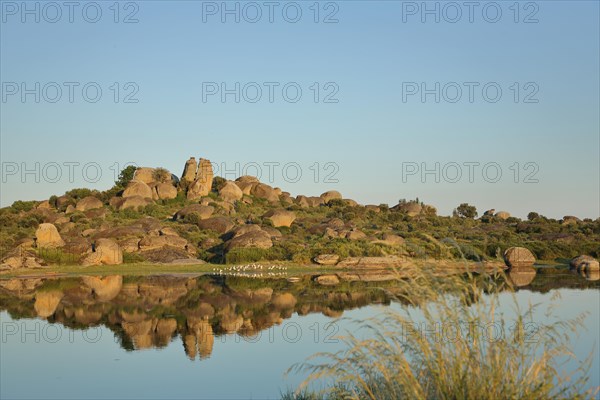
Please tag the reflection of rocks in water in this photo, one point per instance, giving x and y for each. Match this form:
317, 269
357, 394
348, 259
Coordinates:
148, 312
590, 275
151, 332
199, 338
521, 276
284, 300
47, 302
105, 289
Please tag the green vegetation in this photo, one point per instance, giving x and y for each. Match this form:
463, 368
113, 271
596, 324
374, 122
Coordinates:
325, 229
464, 357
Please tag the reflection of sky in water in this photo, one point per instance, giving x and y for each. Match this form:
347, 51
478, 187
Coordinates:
238, 368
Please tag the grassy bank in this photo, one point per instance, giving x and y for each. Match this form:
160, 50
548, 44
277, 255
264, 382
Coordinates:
392, 357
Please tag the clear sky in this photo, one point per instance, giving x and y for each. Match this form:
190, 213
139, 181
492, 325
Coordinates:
376, 60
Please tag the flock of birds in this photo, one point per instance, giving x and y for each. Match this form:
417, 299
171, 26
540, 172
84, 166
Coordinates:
252, 270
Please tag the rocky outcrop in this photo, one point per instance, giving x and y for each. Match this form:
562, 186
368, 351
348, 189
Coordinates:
256, 238
47, 235
88, 203
202, 212
264, 191
157, 242
280, 217
144, 174
585, 263
22, 257
327, 259
231, 192
390, 239
104, 251
411, 208
355, 234
502, 215
570, 220
202, 185
216, 224
515, 257
137, 188
165, 191
331, 195
189, 173
133, 202
372, 262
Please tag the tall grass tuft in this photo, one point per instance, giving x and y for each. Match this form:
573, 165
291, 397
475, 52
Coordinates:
461, 354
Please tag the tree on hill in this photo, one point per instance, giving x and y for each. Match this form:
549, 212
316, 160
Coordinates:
465, 211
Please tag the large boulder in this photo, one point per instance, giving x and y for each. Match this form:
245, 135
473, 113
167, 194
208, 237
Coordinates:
137, 188
144, 174
231, 192
355, 234
88, 203
258, 239
410, 208
502, 215
315, 201
518, 257
247, 178
280, 217
106, 252
243, 229
570, 220
204, 180
302, 201
189, 173
157, 242
327, 259
372, 262
133, 202
264, 191
47, 235
246, 186
391, 240
216, 224
331, 195
165, 191
585, 263
203, 212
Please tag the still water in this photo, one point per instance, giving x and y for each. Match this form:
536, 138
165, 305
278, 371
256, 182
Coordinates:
216, 337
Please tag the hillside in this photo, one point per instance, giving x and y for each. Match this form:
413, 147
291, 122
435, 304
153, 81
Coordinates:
152, 216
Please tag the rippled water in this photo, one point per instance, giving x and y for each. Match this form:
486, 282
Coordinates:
206, 336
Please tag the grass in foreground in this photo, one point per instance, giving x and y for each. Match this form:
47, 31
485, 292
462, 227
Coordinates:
398, 361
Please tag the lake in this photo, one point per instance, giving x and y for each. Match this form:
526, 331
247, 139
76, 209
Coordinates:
210, 336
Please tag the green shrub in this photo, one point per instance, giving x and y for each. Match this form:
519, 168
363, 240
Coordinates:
244, 255
23, 205
79, 193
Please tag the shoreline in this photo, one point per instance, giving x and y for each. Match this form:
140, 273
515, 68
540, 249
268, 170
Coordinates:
282, 270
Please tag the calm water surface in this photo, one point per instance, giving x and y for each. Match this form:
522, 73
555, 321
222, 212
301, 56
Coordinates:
211, 337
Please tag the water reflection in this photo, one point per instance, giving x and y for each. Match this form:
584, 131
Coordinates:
149, 312
521, 276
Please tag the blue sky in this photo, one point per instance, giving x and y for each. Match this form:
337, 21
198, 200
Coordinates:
366, 139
